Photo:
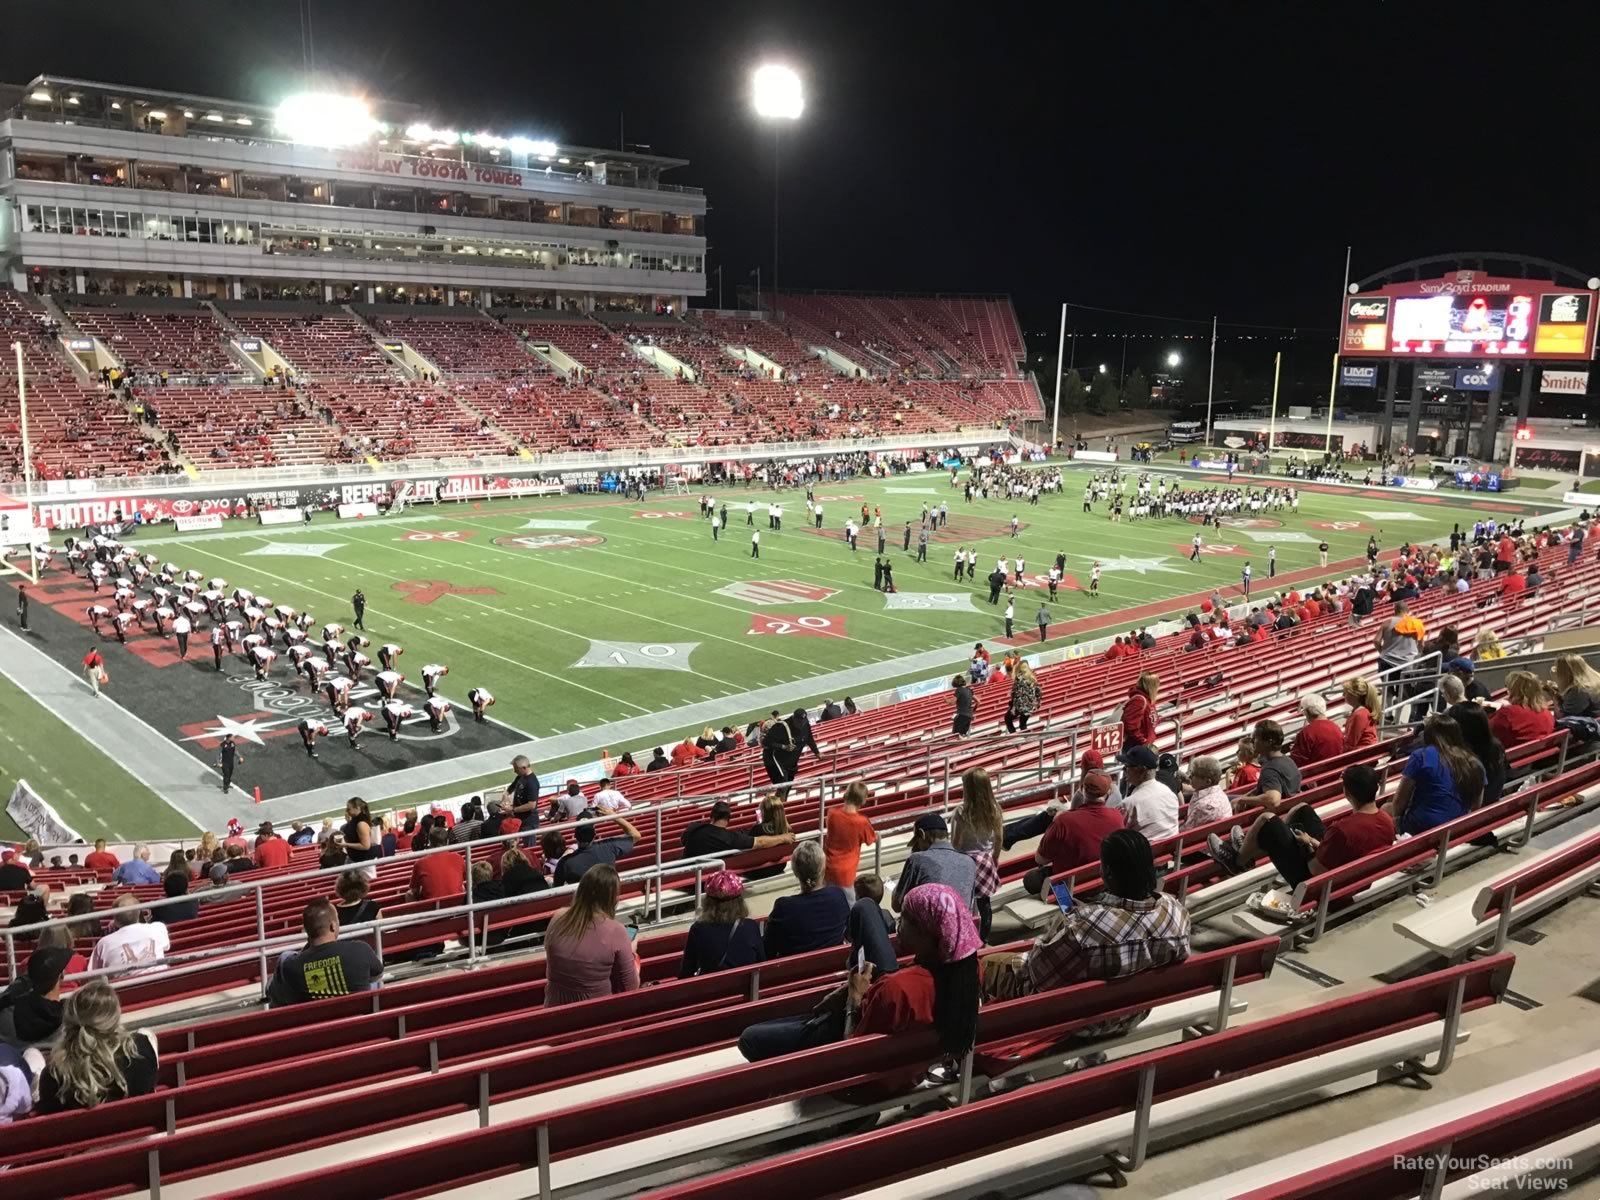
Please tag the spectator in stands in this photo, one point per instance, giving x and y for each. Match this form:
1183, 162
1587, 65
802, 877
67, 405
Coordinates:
470, 826
356, 837
589, 851
100, 859
1526, 715
175, 884
31, 910
1319, 738
709, 839
1024, 700
326, 965
30, 1007
940, 989
96, 1060
137, 871
658, 761
81, 904
588, 952
301, 834
847, 832
1361, 726
870, 927
272, 852
1297, 842
977, 829
811, 920
1149, 806
14, 874
934, 860
353, 907
1576, 681
1486, 646
966, 704
1485, 747
1074, 837
1209, 802
1441, 780
1278, 780
804, 739
1131, 927
779, 754
521, 797
131, 943
1462, 669
438, 876
723, 935
1139, 713
519, 876
570, 804
687, 752
238, 862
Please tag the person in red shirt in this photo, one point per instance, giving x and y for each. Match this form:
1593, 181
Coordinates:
1074, 837
100, 859
1360, 727
1365, 829
1139, 713
1319, 738
439, 876
847, 832
1526, 715
271, 850
1514, 583
1505, 553
686, 752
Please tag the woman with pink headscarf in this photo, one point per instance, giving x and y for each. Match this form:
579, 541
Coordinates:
939, 988
723, 935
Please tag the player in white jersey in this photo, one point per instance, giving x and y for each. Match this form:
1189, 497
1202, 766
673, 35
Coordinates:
394, 712
387, 653
263, 659
480, 698
437, 708
1094, 579
161, 616
354, 661
310, 731
283, 612
338, 692
431, 674
331, 631
353, 720
120, 624
388, 683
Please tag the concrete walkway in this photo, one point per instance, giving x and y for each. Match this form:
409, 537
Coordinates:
192, 790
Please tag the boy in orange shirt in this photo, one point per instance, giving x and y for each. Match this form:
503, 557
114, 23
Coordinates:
847, 832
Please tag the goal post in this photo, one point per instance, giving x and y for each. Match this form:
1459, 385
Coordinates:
18, 531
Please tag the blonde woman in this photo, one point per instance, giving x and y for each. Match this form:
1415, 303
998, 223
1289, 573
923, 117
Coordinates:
977, 829
1024, 697
96, 1060
1579, 685
1246, 769
1526, 715
1486, 647
1361, 726
588, 951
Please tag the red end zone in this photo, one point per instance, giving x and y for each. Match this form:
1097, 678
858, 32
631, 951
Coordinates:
810, 625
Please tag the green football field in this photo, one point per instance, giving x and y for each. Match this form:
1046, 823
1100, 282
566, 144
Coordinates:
579, 611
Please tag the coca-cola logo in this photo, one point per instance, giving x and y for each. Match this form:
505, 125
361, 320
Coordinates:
1369, 310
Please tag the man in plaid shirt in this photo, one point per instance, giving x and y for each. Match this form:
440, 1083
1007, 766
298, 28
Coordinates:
1130, 928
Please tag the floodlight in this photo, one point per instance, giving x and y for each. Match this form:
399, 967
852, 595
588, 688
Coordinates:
777, 92
40, 95
1174, 358
324, 120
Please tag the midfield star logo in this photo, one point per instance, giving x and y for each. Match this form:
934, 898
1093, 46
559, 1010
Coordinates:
1139, 566
282, 703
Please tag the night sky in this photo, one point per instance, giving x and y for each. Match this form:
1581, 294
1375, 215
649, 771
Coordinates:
1170, 160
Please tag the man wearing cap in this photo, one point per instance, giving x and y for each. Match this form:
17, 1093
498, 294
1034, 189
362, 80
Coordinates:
1150, 806
522, 793
706, 839
1074, 837
1024, 828
589, 851
934, 860
271, 850
1462, 669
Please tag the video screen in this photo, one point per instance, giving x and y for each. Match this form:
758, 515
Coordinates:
1462, 324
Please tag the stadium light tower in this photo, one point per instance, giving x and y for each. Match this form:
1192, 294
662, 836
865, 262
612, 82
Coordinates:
777, 98
1174, 358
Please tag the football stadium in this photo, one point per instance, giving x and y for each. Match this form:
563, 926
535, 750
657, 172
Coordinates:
481, 715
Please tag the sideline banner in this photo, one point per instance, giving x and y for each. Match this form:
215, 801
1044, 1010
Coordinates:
37, 819
189, 524
279, 516
365, 509
1094, 456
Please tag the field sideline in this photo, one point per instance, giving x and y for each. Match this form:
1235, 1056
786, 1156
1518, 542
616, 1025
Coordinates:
578, 612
